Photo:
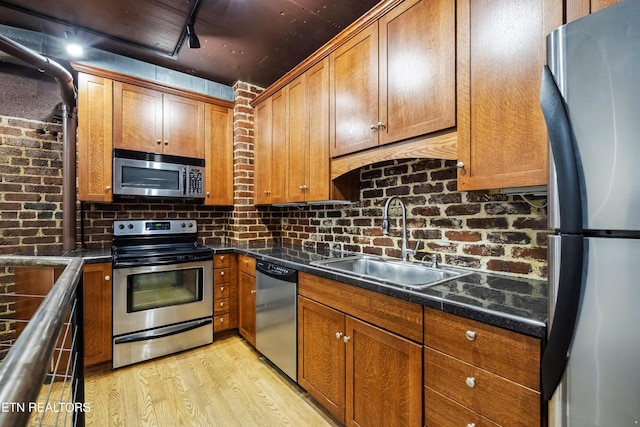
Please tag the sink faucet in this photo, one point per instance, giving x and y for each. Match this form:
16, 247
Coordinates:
385, 226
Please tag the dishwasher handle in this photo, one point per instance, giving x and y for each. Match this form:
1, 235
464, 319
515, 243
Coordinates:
277, 271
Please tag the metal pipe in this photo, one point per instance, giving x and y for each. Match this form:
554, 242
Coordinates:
69, 121
25, 366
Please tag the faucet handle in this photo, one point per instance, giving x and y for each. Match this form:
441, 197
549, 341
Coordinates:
415, 251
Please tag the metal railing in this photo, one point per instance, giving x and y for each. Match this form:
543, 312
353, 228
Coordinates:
41, 376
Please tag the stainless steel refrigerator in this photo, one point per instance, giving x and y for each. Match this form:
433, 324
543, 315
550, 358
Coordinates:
590, 97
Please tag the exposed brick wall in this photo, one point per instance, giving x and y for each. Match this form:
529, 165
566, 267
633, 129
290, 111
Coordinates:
492, 232
30, 187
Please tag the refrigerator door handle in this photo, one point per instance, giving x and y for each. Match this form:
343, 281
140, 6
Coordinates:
565, 315
562, 144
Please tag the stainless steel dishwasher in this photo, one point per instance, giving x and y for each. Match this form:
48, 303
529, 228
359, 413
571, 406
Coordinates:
276, 315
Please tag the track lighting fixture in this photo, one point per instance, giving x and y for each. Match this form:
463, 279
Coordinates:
192, 38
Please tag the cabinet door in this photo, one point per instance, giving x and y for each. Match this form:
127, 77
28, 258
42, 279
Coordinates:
247, 294
318, 167
137, 118
298, 139
579, 8
321, 355
354, 93
95, 138
502, 137
417, 69
97, 313
262, 152
183, 126
278, 147
383, 377
218, 130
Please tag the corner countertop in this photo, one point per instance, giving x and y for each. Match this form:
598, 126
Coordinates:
513, 303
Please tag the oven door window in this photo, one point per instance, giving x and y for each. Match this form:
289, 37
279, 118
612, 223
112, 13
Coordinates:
146, 291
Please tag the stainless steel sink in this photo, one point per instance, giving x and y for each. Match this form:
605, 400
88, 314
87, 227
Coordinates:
397, 273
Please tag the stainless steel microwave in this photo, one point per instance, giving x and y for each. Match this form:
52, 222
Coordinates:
137, 173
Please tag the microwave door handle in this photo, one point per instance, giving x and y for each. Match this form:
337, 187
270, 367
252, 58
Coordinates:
184, 181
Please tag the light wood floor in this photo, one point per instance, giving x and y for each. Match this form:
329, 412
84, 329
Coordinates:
226, 383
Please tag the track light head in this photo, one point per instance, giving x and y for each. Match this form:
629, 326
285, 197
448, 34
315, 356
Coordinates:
192, 38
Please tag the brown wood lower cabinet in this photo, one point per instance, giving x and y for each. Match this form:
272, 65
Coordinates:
362, 374
477, 374
225, 294
97, 288
247, 298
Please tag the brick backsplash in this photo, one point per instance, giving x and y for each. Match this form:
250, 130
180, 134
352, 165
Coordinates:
492, 232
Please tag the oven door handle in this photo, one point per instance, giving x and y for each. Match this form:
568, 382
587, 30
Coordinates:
163, 332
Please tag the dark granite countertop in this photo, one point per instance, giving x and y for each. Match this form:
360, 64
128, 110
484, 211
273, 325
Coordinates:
513, 303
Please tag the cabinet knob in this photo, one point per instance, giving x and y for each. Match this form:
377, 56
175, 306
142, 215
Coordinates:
222, 273
108, 187
253, 291
159, 142
222, 288
222, 320
338, 335
107, 278
460, 165
208, 194
222, 304
346, 338
471, 335
471, 382
166, 143
303, 187
380, 125
471, 425
373, 127
221, 257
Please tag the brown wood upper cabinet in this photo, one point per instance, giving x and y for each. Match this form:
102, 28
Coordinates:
502, 137
270, 150
218, 153
395, 79
151, 121
95, 112
579, 8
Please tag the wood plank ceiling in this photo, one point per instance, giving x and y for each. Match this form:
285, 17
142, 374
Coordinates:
256, 41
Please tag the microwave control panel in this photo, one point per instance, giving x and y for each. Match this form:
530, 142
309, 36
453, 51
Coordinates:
196, 182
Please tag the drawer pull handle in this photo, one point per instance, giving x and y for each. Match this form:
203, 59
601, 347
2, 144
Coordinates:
222, 320
471, 382
338, 335
221, 257
222, 304
221, 288
471, 425
222, 273
346, 338
470, 335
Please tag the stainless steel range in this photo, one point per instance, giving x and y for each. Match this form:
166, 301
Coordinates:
162, 289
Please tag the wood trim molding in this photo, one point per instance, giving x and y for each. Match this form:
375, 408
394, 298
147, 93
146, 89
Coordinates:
113, 75
443, 145
365, 20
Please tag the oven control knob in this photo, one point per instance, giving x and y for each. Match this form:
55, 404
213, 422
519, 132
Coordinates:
130, 226
190, 225
121, 226
184, 225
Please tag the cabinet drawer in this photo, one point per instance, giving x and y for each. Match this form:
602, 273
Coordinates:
221, 260
505, 353
247, 265
442, 411
221, 322
220, 306
494, 397
221, 291
221, 275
